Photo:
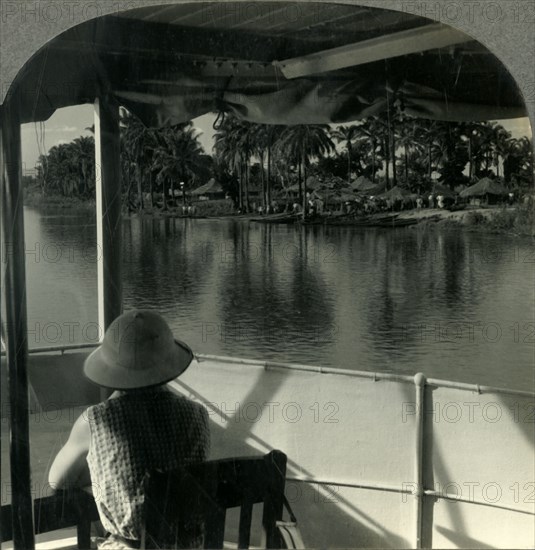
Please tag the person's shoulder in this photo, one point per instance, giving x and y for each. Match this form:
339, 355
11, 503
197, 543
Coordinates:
189, 404
96, 410
187, 401
94, 415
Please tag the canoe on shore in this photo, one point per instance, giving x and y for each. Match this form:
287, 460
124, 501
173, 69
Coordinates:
388, 220
277, 218
382, 220
396, 223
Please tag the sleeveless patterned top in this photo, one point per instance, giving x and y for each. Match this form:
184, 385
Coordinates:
138, 431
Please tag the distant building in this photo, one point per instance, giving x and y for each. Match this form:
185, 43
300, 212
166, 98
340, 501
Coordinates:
209, 191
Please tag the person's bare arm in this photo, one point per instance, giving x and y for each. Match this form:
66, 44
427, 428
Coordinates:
69, 468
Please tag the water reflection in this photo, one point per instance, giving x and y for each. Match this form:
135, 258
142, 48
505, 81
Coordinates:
164, 265
61, 273
450, 304
454, 257
270, 298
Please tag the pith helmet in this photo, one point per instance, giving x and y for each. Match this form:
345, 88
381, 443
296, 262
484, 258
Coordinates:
138, 350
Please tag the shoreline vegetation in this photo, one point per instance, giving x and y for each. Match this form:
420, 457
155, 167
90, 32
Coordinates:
516, 220
385, 171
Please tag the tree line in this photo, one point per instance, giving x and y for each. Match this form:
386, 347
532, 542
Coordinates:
393, 149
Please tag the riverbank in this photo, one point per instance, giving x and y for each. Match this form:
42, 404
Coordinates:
33, 198
512, 220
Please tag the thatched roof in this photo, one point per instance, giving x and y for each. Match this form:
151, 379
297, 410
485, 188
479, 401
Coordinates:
210, 187
484, 186
396, 193
439, 189
312, 183
362, 183
334, 194
336, 182
373, 191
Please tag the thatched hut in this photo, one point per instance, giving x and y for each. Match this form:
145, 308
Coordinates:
485, 188
209, 191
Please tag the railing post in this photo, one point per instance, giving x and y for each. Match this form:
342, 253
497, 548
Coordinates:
17, 337
419, 382
108, 199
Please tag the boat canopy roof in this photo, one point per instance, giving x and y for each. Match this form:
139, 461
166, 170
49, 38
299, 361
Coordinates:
268, 62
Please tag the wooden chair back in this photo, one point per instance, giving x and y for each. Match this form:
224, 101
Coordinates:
189, 505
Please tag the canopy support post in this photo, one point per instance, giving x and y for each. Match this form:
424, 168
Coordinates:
108, 199
17, 336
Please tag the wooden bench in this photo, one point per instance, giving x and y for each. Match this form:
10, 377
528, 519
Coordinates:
63, 509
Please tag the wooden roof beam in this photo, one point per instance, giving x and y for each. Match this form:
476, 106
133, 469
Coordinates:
397, 44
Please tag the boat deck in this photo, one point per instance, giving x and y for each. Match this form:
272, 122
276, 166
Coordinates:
374, 456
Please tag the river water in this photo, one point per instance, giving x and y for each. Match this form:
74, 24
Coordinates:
451, 304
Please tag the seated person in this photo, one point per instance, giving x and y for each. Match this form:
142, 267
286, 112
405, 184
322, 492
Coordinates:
142, 426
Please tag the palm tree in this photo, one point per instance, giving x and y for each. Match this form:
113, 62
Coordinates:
262, 138
235, 145
177, 157
59, 170
426, 136
259, 142
370, 130
451, 152
346, 135
518, 162
273, 134
384, 132
406, 137
468, 132
42, 169
386, 128
483, 146
379, 130
83, 151
245, 141
138, 144
501, 146
228, 152
301, 143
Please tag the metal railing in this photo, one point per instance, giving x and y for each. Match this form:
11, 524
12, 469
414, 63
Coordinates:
420, 492
420, 464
